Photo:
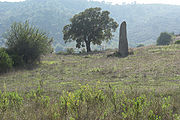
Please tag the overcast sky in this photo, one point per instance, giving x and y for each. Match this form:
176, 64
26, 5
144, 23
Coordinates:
11, 0
175, 2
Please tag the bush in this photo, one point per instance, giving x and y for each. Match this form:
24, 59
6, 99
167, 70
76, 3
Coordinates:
83, 51
27, 42
10, 100
61, 53
93, 103
140, 45
177, 42
70, 51
87, 103
5, 61
17, 60
164, 39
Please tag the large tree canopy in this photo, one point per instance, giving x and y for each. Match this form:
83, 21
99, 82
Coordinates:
90, 26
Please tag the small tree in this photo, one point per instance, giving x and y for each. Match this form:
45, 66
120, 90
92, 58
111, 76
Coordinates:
90, 26
164, 39
27, 42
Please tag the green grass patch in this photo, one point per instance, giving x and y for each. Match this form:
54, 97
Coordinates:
49, 62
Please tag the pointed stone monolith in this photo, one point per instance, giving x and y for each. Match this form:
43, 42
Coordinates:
123, 42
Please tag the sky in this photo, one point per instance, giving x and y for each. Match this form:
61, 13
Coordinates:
174, 2
11, 0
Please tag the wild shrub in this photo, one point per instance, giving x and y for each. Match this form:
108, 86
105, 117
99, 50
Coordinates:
95, 50
17, 60
164, 39
93, 103
5, 61
140, 45
27, 42
83, 51
70, 51
177, 42
38, 98
61, 53
10, 101
87, 102
97, 69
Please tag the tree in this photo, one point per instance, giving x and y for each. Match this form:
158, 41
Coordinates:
164, 39
91, 26
27, 42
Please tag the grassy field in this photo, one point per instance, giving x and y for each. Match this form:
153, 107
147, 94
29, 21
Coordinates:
149, 68
152, 68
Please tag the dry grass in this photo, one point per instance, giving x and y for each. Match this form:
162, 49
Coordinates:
149, 68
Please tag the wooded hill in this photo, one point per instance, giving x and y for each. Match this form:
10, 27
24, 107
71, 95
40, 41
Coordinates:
145, 22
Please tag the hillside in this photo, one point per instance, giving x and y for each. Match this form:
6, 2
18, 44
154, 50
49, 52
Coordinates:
148, 67
145, 22
150, 75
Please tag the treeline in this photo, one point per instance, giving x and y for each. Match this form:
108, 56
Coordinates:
145, 22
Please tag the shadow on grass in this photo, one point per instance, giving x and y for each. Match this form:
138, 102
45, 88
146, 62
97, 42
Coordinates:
28, 66
82, 54
117, 54
20, 68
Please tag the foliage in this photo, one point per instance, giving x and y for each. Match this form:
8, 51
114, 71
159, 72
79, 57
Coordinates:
177, 42
9, 101
61, 53
38, 98
87, 103
5, 61
164, 39
83, 51
70, 51
17, 60
27, 42
95, 70
140, 45
90, 26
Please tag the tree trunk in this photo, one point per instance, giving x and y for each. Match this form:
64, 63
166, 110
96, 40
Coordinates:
88, 46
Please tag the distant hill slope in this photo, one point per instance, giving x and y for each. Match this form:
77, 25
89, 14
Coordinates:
145, 22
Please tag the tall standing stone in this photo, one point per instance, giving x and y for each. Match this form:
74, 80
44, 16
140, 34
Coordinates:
123, 42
